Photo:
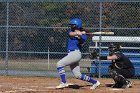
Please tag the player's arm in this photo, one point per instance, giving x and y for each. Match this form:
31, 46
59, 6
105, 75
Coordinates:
76, 33
95, 55
113, 57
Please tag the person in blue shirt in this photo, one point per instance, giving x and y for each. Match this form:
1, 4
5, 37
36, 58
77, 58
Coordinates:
75, 42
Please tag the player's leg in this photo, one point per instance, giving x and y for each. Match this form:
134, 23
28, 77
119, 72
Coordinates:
119, 78
71, 58
127, 73
76, 71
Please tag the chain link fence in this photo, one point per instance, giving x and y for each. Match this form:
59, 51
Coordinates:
33, 34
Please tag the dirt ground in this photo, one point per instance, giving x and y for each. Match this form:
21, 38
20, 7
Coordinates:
12, 84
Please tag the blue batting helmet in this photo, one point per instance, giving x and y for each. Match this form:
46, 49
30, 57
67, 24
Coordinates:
77, 22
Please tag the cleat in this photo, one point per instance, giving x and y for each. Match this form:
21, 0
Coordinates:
94, 86
62, 85
127, 85
130, 84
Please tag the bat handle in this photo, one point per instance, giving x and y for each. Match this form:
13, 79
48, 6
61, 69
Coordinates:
83, 32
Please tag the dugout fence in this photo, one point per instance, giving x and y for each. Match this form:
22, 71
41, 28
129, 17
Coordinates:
33, 33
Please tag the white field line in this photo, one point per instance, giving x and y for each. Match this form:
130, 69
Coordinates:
22, 87
15, 91
115, 89
51, 87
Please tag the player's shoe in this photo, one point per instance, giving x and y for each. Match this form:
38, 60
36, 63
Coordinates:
130, 84
127, 85
62, 85
94, 86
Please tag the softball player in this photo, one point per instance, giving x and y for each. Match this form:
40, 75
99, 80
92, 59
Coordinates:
75, 43
121, 67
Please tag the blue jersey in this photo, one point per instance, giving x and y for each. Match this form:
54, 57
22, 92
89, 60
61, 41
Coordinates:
75, 43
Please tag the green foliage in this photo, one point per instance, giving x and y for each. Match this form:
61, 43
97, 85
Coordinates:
53, 6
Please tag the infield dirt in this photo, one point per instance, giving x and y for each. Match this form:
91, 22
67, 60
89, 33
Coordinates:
18, 84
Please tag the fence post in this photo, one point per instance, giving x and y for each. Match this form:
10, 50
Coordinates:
7, 31
48, 58
100, 38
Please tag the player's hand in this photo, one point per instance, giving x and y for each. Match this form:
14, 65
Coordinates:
79, 33
98, 58
93, 55
83, 32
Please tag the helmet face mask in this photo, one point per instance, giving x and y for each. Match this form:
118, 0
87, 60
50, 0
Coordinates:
72, 26
113, 49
